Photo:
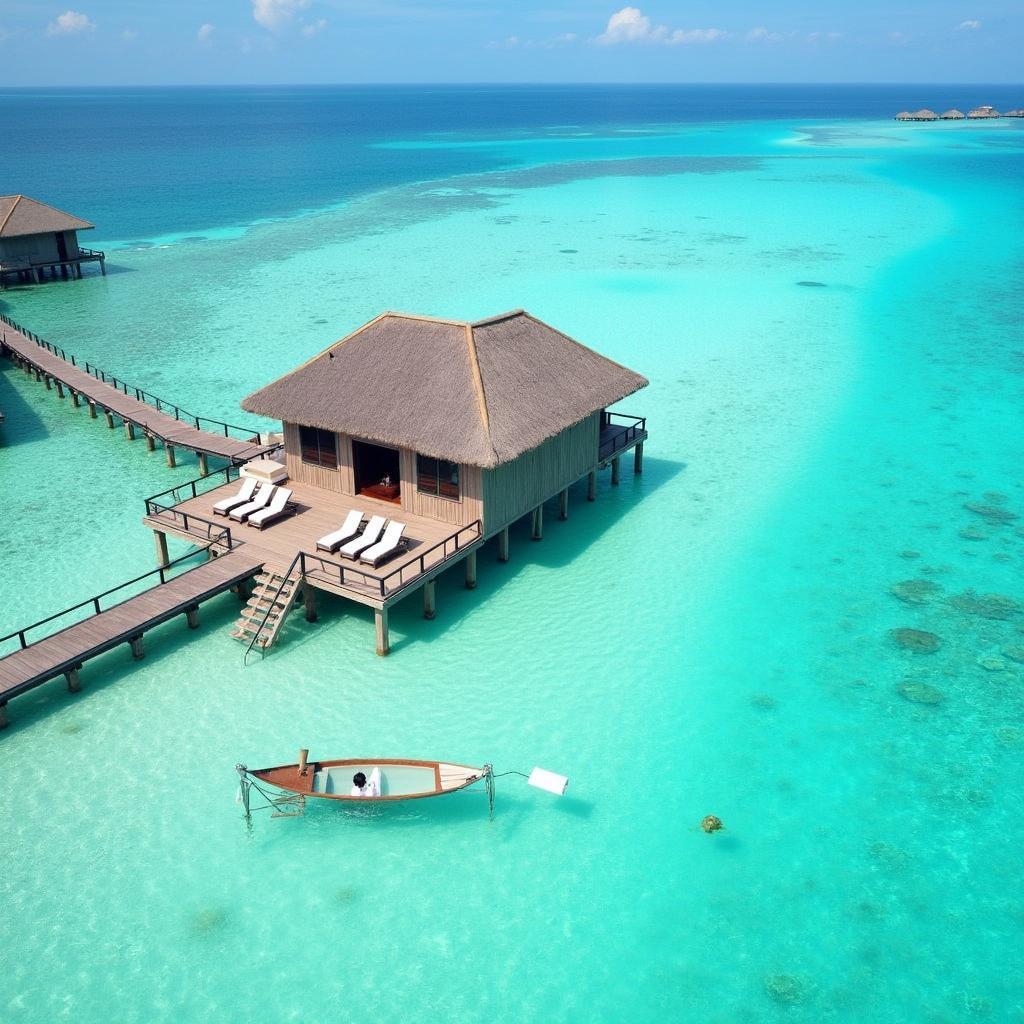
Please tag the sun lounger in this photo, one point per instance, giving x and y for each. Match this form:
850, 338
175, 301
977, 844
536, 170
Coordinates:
388, 546
280, 505
369, 537
261, 499
243, 497
349, 530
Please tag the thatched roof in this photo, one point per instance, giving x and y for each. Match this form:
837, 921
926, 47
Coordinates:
979, 112
20, 215
953, 115
924, 114
477, 393
1013, 113
904, 115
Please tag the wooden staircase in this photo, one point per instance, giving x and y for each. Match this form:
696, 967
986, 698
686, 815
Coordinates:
271, 591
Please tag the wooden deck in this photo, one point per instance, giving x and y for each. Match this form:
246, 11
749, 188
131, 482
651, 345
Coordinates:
173, 431
321, 512
65, 651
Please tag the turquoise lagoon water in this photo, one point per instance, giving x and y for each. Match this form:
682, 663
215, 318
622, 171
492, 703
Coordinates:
829, 315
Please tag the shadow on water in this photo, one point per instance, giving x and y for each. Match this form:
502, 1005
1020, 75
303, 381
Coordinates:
563, 542
21, 425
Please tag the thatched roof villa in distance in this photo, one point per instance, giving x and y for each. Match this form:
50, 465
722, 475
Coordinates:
952, 115
454, 429
36, 238
982, 113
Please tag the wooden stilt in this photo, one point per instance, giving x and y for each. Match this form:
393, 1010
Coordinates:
160, 539
204, 468
110, 418
537, 531
60, 389
74, 684
592, 485
192, 616
615, 470
242, 589
638, 459
129, 430
503, 545
136, 645
49, 383
92, 410
103, 267
563, 504
150, 442
471, 571
309, 600
35, 275
169, 449
74, 399
380, 622
38, 373
429, 600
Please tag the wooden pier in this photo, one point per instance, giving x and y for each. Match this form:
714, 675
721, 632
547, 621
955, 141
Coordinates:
155, 418
64, 652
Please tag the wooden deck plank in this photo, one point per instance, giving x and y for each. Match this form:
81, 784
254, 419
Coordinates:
162, 425
49, 657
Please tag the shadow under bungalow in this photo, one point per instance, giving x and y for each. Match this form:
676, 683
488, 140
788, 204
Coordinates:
455, 430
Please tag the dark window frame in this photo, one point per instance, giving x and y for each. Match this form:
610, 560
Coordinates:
318, 453
440, 479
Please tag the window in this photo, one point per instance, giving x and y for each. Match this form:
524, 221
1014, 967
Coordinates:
318, 447
437, 476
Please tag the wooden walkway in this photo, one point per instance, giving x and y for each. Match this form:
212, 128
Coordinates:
65, 651
156, 424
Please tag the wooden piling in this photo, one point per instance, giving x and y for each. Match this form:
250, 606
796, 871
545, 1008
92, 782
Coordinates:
192, 616
136, 645
204, 468
74, 683
537, 525
563, 504
129, 430
380, 622
169, 449
160, 540
92, 410
638, 459
150, 442
503, 545
74, 399
60, 388
309, 600
49, 382
471, 571
110, 418
615, 470
592, 485
429, 602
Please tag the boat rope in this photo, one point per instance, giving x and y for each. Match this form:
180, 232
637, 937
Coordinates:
500, 775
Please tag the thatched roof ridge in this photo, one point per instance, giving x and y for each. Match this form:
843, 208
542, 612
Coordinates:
21, 215
924, 114
982, 112
904, 115
480, 393
953, 115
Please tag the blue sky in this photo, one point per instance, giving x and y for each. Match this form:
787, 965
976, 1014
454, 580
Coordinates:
312, 41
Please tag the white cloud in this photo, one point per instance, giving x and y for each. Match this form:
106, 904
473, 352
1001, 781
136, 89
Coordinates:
70, 23
205, 34
275, 14
762, 35
823, 37
631, 25
310, 28
969, 25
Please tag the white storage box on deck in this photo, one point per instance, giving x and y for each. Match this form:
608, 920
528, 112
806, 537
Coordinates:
548, 781
265, 470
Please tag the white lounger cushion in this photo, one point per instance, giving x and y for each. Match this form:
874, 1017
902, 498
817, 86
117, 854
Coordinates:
245, 494
348, 529
260, 500
388, 543
366, 539
281, 498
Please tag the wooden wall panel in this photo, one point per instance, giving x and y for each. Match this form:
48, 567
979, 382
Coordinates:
318, 476
512, 490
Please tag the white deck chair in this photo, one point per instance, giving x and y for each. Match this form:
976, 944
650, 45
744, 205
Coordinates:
279, 506
244, 495
349, 530
369, 537
387, 546
261, 499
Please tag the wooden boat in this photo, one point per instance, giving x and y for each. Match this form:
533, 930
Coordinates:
399, 778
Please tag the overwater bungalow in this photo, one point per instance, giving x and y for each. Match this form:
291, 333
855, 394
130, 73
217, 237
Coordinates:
952, 115
1014, 113
981, 113
904, 115
923, 115
439, 434
36, 239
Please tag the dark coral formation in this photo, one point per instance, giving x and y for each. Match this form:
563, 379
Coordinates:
920, 693
914, 591
915, 640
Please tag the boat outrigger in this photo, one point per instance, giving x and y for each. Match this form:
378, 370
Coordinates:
373, 780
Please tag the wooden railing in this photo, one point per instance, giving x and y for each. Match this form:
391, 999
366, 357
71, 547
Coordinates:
140, 394
98, 603
632, 428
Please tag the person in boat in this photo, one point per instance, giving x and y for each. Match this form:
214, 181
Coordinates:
363, 786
